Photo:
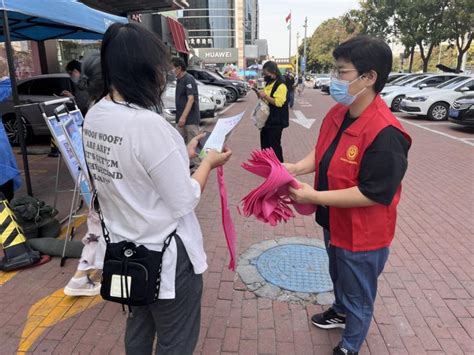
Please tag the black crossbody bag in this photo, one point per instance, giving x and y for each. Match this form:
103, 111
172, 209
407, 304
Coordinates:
132, 273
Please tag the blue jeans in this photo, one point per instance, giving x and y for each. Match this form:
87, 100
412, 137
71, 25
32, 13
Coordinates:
291, 98
354, 276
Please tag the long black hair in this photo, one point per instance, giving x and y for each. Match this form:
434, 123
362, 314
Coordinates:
134, 63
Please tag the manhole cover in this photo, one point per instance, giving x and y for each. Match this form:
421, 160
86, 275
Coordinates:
296, 267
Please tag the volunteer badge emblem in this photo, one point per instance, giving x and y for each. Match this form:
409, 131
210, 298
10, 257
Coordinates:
352, 152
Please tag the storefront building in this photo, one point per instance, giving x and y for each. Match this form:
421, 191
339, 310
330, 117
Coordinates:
219, 29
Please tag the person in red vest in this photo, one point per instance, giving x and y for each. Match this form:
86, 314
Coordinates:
359, 162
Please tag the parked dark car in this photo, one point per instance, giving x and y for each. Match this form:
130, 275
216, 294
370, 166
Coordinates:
462, 111
236, 88
33, 90
325, 87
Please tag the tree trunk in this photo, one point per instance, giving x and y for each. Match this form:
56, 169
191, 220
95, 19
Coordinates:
425, 59
412, 54
459, 63
425, 64
461, 50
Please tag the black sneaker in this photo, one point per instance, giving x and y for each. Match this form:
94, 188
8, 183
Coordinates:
341, 351
329, 320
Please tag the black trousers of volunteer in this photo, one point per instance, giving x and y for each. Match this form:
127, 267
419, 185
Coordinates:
270, 137
175, 322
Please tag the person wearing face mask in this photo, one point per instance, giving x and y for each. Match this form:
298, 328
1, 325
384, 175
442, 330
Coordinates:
275, 94
359, 161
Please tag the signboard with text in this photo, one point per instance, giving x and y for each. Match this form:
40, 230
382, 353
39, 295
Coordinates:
218, 55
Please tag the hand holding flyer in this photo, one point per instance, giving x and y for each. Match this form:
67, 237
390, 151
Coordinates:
220, 133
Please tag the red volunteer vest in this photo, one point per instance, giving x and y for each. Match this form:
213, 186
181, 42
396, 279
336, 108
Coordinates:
361, 228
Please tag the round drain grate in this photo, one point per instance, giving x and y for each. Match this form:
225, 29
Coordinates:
296, 267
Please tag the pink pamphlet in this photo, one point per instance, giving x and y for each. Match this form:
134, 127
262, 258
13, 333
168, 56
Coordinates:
270, 202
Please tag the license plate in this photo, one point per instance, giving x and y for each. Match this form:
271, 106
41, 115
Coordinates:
453, 113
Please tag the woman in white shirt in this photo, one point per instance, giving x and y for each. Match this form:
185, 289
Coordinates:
140, 167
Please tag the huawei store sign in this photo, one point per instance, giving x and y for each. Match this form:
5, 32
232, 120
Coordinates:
218, 55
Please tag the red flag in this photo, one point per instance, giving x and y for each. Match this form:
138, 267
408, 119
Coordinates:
288, 18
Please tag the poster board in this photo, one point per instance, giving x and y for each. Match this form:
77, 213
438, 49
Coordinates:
66, 129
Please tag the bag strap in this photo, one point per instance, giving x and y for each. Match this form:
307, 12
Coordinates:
277, 83
95, 198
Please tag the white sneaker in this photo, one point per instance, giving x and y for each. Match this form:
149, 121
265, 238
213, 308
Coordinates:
82, 286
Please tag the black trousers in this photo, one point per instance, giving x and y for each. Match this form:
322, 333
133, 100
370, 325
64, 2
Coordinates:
175, 322
270, 137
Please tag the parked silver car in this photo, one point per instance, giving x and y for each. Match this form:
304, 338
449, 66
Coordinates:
33, 90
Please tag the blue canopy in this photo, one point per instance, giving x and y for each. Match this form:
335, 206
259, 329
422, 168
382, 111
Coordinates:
39, 20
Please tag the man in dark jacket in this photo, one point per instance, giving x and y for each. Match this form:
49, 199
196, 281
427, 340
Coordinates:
290, 85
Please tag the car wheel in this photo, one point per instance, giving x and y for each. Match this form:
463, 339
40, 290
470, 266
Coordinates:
396, 103
439, 111
13, 131
232, 94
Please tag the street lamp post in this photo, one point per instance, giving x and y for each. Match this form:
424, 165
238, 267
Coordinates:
245, 24
297, 52
303, 70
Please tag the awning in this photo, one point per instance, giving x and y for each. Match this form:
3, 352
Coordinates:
53, 19
121, 7
179, 38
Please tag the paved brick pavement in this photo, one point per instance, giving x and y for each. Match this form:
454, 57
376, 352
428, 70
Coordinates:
426, 294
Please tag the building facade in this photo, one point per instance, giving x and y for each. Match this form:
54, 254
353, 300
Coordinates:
219, 29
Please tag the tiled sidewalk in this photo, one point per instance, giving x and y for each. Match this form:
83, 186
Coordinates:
426, 294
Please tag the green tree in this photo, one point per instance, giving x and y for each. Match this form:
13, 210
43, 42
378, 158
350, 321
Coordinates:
373, 18
421, 22
459, 26
327, 36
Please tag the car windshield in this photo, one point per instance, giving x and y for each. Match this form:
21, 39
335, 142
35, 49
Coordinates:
451, 84
402, 79
219, 74
413, 81
214, 75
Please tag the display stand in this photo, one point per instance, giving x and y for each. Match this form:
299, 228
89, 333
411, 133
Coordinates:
71, 152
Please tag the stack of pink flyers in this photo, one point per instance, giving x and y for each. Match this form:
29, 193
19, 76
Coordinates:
269, 202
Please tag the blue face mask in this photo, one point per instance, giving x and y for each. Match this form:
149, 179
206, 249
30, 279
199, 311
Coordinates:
339, 90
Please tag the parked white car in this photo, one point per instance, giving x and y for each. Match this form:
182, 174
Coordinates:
435, 103
394, 94
207, 107
217, 94
403, 79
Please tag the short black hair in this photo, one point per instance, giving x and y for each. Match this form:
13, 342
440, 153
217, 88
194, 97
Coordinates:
272, 67
367, 53
179, 63
134, 63
73, 64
